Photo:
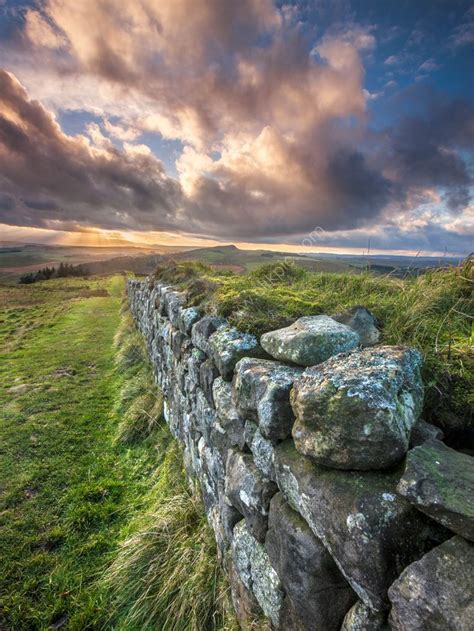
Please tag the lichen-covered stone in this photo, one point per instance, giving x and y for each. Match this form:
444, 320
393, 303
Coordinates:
436, 592
171, 302
263, 454
262, 393
248, 491
229, 427
319, 594
362, 618
363, 322
371, 532
187, 316
227, 345
246, 607
356, 410
310, 340
203, 329
207, 373
423, 431
256, 572
440, 482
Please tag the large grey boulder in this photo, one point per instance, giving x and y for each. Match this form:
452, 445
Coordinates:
363, 322
436, 592
256, 572
309, 341
440, 482
262, 394
319, 594
248, 491
362, 618
227, 345
371, 532
203, 329
357, 409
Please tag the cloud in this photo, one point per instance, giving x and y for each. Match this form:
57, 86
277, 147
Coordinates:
55, 178
274, 125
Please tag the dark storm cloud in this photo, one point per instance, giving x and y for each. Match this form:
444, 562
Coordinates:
54, 177
429, 150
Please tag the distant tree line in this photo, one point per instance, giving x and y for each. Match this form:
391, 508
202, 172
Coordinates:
62, 271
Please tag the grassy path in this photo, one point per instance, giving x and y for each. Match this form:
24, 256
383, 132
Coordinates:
66, 490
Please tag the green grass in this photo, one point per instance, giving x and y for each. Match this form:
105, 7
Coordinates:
432, 312
75, 487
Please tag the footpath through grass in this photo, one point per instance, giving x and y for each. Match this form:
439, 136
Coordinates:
73, 491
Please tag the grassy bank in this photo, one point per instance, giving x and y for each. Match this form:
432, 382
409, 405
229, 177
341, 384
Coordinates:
432, 312
92, 491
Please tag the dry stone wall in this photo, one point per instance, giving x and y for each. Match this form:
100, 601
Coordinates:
299, 443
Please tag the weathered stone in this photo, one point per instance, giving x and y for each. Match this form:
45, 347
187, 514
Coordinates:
262, 393
246, 607
248, 491
172, 302
423, 431
187, 317
363, 322
266, 584
203, 329
204, 416
362, 618
356, 410
207, 373
263, 455
227, 345
319, 593
177, 339
310, 340
440, 482
371, 532
249, 432
229, 428
436, 592
256, 572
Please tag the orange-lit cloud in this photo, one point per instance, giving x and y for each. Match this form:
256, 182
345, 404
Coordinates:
273, 126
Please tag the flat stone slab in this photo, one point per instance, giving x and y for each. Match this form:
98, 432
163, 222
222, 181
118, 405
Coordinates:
440, 482
309, 341
371, 532
435, 593
356, 410
262, 394
318, 592
228, 345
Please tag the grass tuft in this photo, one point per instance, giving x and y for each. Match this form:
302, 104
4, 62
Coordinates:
166, 575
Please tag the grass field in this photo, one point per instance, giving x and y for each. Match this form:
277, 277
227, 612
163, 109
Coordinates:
75, 495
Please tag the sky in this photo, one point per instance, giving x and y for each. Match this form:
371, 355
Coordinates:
323, 125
